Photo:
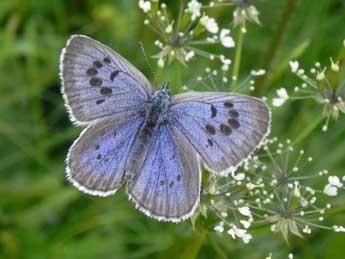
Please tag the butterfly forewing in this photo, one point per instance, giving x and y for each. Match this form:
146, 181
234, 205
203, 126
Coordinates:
168, 185
97, 160
224, 128
98, 82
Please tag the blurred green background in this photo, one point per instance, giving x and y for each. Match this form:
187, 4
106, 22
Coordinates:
42, 216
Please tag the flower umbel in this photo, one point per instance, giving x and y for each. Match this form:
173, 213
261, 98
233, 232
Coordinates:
182, 37
326, 85
271, 189
245, 11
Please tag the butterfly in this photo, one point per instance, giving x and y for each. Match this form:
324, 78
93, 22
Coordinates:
152, 142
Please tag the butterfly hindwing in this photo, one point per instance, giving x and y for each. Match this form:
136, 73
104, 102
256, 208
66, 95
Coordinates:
98, 82
168, 184
223, 128
97, 160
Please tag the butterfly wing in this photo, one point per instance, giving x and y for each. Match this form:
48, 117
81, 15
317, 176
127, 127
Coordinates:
224, 128
168, 184
97, 159
98, 82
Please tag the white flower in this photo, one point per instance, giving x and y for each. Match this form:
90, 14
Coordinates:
169, 28
290, 256
161, 62
245, 211
251, 186
245, 223
334, 180
321, 75
241, 233
194, 8
246, 238
296, 191
220, 227
226, 39
226, 63
330, 190
283, 97
269, 257
145, 5
306, 230
239, 177
338, 228
259, 72
335, 65
294, 65
231, 232
210, 24
189, 55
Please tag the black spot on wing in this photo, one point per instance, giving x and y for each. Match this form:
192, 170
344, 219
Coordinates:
91, 71
225, 130
228, 104
233, 114
113, 75
106, 60
210, 129
100, 101
106, 91
234, 123
213, 111
97, 64
95, 81
210, 142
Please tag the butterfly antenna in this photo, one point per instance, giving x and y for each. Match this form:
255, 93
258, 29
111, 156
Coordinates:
195, 81
142, 49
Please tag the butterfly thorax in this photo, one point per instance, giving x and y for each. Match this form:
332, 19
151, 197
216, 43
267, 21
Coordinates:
154, 111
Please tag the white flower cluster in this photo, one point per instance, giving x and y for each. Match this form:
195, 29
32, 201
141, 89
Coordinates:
235, 231
331, 189
181, 40
325, 86
270, 189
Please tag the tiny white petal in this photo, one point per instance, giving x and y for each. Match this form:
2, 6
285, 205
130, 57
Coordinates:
144, 5
294, 65
330, 190
194, 8
245, 211
226, 39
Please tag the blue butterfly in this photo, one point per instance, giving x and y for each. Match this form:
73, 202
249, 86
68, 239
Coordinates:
151, 142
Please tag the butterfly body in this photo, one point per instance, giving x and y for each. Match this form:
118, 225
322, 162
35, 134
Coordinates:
155, 113
152, 143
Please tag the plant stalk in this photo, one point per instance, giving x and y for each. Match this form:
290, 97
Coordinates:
238, 56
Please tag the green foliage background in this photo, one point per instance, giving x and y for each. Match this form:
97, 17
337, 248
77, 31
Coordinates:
42, 216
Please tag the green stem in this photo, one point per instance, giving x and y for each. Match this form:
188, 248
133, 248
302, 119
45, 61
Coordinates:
308, 129
275, 43
238, 56
194, 245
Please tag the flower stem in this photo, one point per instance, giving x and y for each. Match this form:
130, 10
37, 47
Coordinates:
275, 43
194, 245
238, 56
309, 129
